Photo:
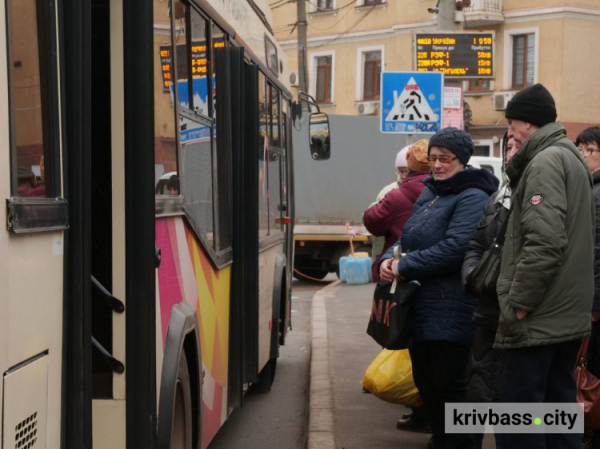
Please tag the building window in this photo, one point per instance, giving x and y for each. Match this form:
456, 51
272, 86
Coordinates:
372, 75
373, 2
324, 79
479, 85
324, 5
523, 68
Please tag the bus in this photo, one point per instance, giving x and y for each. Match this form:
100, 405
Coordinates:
148, 173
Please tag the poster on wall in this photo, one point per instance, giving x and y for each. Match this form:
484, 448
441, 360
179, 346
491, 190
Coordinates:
453, 107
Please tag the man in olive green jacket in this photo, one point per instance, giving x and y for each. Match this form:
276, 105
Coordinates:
546, 283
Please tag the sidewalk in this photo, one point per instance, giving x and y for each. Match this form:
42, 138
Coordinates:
341, 415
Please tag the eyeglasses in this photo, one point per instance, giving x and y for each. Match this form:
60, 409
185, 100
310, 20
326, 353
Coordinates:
443, 159
587, 151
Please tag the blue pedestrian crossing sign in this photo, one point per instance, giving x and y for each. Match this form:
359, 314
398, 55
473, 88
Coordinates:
411, 102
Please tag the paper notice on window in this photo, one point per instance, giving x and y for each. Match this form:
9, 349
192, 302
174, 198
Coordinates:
453, 97
454, 118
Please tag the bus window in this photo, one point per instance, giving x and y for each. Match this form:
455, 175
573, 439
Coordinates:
200, 64
271, 56
182, 55
196, 175
165, 155
274, 116
274, 159
218, 42
263, 150
284, 177
31, 108
222, 139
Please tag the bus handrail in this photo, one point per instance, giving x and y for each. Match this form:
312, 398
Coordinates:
115, 304
107, 358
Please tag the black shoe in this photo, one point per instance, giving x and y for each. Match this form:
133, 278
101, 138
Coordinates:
413, 425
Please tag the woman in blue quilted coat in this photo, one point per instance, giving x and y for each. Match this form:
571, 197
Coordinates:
434, 242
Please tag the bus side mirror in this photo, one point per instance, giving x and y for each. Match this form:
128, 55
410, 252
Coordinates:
318, 136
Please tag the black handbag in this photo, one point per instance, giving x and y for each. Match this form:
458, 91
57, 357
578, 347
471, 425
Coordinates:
482, 280
390, 324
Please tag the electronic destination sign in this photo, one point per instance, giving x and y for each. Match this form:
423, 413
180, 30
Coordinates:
456, 55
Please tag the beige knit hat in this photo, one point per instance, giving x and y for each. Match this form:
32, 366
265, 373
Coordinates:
417, 157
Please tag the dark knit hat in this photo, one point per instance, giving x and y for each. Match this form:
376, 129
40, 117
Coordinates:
455, 140
534, 104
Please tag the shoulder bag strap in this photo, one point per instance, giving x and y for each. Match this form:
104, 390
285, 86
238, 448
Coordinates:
500, 236
583, 352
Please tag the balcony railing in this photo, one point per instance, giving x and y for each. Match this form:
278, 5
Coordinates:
484, 6
483, 13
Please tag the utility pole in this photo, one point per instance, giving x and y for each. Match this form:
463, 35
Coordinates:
301, 23
445, 16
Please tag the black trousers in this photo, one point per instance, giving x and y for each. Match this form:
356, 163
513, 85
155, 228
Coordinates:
440, 373
540, 374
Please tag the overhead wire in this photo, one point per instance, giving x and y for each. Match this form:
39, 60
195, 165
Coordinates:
329, 27
282, 4
348, 29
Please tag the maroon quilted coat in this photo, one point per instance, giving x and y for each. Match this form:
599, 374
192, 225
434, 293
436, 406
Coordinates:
387, 218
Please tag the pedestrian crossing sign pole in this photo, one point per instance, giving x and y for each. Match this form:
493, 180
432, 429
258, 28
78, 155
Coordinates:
411, 102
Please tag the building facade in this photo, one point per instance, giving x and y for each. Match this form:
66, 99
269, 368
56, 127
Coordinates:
547, 41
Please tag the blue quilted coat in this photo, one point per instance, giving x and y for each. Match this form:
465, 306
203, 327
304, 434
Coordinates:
435, 238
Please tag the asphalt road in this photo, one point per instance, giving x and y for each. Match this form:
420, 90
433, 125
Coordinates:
278, 419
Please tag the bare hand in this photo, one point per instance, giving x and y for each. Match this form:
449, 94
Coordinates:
395, 267
385, 271
595, 315
521, 314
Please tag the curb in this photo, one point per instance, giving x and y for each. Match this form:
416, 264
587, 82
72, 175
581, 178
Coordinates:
320, 411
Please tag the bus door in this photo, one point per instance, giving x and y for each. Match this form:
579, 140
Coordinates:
287, 209
35, 217
123, 250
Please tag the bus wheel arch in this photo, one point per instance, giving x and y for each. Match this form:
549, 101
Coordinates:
182, 352
181, 431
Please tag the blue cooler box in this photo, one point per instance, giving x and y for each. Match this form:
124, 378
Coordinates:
342, 264
356, 270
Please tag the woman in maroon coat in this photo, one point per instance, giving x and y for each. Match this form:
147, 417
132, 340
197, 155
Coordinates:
387, 218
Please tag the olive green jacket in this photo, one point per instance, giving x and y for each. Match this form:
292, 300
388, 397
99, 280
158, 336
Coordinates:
548, 257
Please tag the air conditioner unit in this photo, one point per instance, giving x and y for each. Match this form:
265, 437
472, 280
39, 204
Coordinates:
501, 99
366, 108
294, 79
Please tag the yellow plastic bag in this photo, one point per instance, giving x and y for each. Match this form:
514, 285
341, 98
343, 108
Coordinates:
390, 378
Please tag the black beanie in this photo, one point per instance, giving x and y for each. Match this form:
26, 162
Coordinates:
534, 104
455, 140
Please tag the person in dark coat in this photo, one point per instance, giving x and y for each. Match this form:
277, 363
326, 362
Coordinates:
588, 142
546, 283
435, 239
487, 364
387, 218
